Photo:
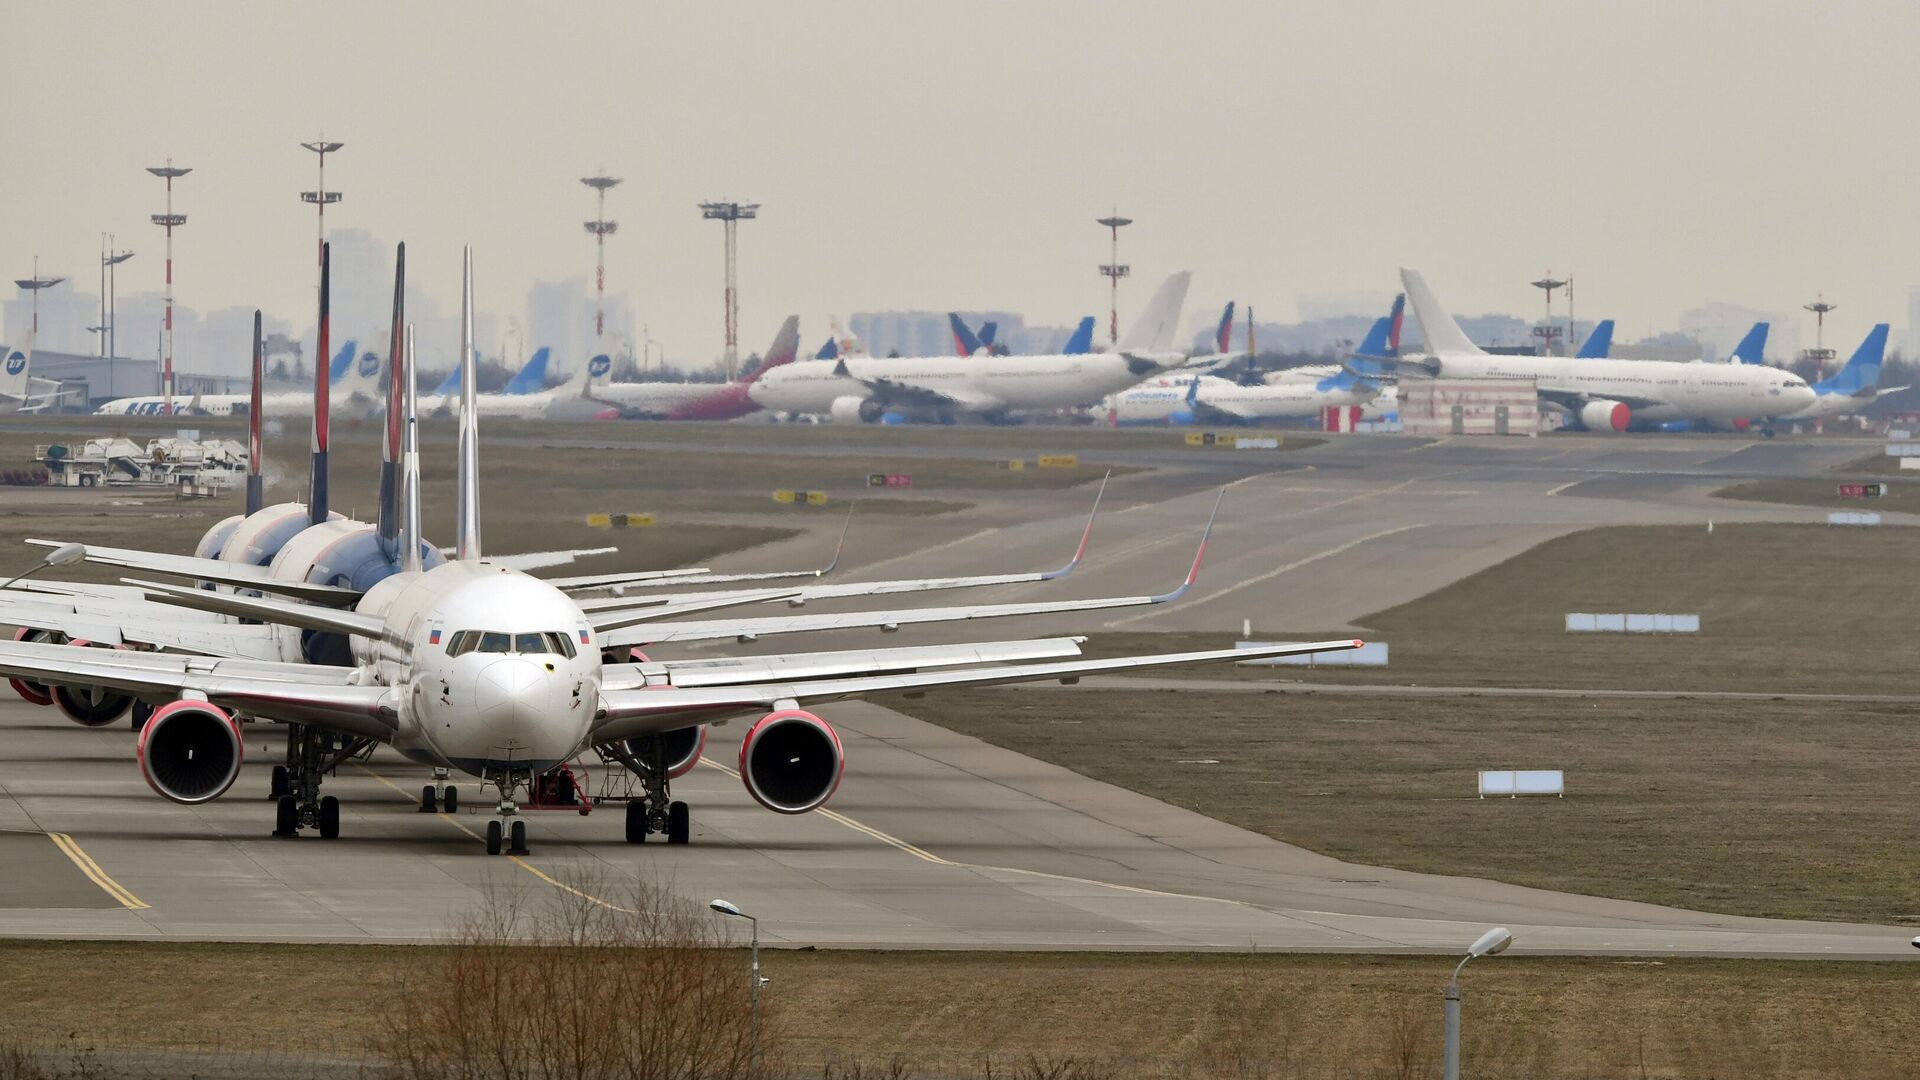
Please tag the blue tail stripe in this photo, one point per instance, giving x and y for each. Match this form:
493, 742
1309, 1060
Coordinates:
1863, 368
1752, 348
1082, 339
1599, 343
533, 378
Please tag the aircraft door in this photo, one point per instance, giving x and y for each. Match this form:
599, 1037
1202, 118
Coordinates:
1459, 420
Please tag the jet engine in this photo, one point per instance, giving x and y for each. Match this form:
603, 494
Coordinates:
683, 748
791, 761
189, 751
91, 706
36, 693
853, 410
1605, 416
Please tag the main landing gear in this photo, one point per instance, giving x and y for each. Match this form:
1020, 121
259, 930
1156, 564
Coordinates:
439, 795
653, 811
295, 787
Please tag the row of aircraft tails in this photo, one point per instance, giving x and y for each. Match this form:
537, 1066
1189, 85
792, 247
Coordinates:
352, 635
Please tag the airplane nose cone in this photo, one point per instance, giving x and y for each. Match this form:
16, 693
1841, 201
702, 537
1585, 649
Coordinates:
511, 692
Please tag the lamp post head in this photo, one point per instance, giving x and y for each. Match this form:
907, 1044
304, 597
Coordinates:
726, 908
115, 260
323, 147
1491, 943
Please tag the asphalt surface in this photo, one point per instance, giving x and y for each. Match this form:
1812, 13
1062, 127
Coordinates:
935, 839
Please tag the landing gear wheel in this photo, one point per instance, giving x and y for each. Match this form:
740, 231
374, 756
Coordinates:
428, 803
450, 802
493, 838
278, 787
637, 829
519, 839
140, 714
679, 827
286, 817
329, 818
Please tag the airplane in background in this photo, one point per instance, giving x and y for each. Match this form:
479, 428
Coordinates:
1600, 341
1210, 399
1604, 395
348, 380
1381, 343
20, 391
1080, 342
462, 664
994, 387
696, 400
1856, 385
966, 343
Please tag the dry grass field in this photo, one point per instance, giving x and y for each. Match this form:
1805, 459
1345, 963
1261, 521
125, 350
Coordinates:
1049, 1014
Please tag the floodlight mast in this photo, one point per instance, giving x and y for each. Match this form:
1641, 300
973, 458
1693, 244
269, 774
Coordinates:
1113, 271
33, 285
1547, 331
601, 228
730, 214
1820, 355
321, 198
168, 172
113, 260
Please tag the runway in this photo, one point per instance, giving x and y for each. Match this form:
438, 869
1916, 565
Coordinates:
936, 840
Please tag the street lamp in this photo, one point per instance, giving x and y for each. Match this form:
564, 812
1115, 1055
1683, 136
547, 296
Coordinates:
1491, 943
726, 908
64, 555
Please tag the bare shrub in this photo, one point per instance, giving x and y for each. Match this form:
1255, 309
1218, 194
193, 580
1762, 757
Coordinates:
575, 987
17, 1063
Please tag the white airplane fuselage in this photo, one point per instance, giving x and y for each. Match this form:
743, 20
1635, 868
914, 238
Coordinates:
1160, 398
973, 383
1677, 391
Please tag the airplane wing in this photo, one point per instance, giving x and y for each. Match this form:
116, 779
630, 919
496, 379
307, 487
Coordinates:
266, 609
137, 621
1572, 401
750, 629
912, 394
239, 575
629, 713
740, 670
802, 594
619, 582
299, 693
540, 560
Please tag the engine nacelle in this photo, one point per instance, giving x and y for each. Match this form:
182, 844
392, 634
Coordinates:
791, 761
849, 410
682, 747
33, 692
189, 751
91, 706
1605, 416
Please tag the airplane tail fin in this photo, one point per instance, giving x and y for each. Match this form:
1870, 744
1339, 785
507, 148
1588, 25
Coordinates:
449, 386
322, 401
1599, 343
1862, 371
1442, 334
965, 342
1193, 392
1082, 340
989, 330
829, 351
467, 498
1375, 343
254, 495
388, 522
16, 371
784, 350
1399, 316
342, 361
410, 557
1223, 336
1153, 330
533, 378
1752, 348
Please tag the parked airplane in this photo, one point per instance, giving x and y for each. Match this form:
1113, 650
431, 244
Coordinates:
696, 400
1604, 395
1382, 342
19, 390
349, 380
1210, 399
1854, 386
478, 667
1600, 342
1080, 342
994, 387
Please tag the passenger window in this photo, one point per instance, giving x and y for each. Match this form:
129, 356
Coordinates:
494, 641
529, 643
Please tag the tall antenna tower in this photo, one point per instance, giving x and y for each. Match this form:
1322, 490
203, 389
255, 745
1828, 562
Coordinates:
1113, 271
731, 214
169, 172
601, 228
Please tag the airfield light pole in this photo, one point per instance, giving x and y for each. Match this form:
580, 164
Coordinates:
113, 260
601, 228
322, 198
727, 908
1113, 271
1491, 943
169, 172
1820, 355
731, 214
33, 285
1547, 333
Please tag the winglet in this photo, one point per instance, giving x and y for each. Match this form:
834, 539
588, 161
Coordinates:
1200, 556
845, 527
1085, 534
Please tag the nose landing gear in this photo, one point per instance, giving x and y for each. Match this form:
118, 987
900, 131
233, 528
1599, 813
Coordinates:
439, 795
507, 830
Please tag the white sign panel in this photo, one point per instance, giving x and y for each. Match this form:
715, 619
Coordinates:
1514, 783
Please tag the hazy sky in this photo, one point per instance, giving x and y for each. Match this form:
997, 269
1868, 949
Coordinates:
913, 155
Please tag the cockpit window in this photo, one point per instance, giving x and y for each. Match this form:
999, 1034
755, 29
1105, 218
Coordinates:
494, 641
